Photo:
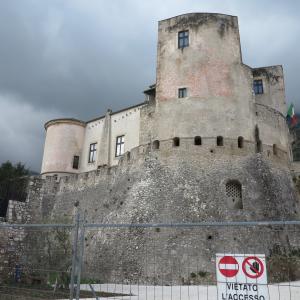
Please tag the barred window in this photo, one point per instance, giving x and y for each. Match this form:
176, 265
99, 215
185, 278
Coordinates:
234, 194
92, 152
183, 39
120, 145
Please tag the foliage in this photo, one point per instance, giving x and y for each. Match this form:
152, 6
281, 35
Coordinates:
12, 184
8, 171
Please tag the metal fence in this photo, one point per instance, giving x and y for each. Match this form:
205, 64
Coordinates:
140, 261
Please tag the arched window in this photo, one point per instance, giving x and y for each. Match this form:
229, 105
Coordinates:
156, 144
198, 140
176, 142
240, 142
234, 194
220, 141
275, 149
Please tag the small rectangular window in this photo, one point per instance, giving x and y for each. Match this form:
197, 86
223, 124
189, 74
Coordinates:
183, 39
92, 152
75, 162
258, 87
182, 93
120, 145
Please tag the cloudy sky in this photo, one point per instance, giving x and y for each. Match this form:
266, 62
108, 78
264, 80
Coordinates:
77, 58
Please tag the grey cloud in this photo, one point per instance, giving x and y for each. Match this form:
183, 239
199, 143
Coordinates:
78, 58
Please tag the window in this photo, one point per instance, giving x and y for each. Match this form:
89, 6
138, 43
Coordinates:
240, 142
75, 162
92, 152
258, 87
275, 150
220, 141
156, 144
183, 39
182, 92
120, 145
234, 194
197, 141
176, 142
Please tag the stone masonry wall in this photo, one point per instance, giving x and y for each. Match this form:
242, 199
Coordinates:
169, 185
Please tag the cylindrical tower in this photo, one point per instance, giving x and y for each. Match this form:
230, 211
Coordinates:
63, 146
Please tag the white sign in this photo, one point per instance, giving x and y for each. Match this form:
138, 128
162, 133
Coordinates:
242, 277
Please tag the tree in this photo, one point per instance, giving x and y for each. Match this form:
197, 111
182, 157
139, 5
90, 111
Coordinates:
8, 171
12, 185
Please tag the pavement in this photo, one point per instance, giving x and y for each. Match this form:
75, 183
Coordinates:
281, 291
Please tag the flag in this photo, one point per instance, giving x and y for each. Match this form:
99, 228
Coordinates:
291, 116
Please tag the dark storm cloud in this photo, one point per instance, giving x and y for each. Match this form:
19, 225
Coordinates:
79, 58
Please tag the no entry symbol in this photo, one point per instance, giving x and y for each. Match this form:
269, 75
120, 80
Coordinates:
253, 267
228, 266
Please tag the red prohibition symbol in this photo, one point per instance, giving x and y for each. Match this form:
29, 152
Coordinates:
228, 266
253, 267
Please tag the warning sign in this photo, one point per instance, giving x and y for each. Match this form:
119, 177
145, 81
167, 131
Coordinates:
241, 277
253, 267
228, 266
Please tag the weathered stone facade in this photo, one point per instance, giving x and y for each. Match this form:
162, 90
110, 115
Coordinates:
185, 158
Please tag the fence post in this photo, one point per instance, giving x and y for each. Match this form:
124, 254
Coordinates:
81, 245
74, 255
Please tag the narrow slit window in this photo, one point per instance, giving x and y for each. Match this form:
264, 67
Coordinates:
120, 145
75, 162
240, 142
183, 39
275, 149
92, 152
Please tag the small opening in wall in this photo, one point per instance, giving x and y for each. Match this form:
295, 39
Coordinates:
220, 141
156, 144
209, 237
176, 142
234, 194
240, 142
275, 149
198, 141
258, 147
211, 151
75, 162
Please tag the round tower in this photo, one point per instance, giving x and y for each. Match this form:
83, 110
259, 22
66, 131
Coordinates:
63, 145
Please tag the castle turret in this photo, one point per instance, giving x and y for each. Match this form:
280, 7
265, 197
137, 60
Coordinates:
63, 146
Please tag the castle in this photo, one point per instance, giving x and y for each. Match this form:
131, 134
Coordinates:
204, 95
210, 143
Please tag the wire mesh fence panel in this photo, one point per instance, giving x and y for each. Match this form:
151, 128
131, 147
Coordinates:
142, 261
35, 262
179, 262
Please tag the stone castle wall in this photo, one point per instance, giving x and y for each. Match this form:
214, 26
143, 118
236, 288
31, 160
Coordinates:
169, 185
